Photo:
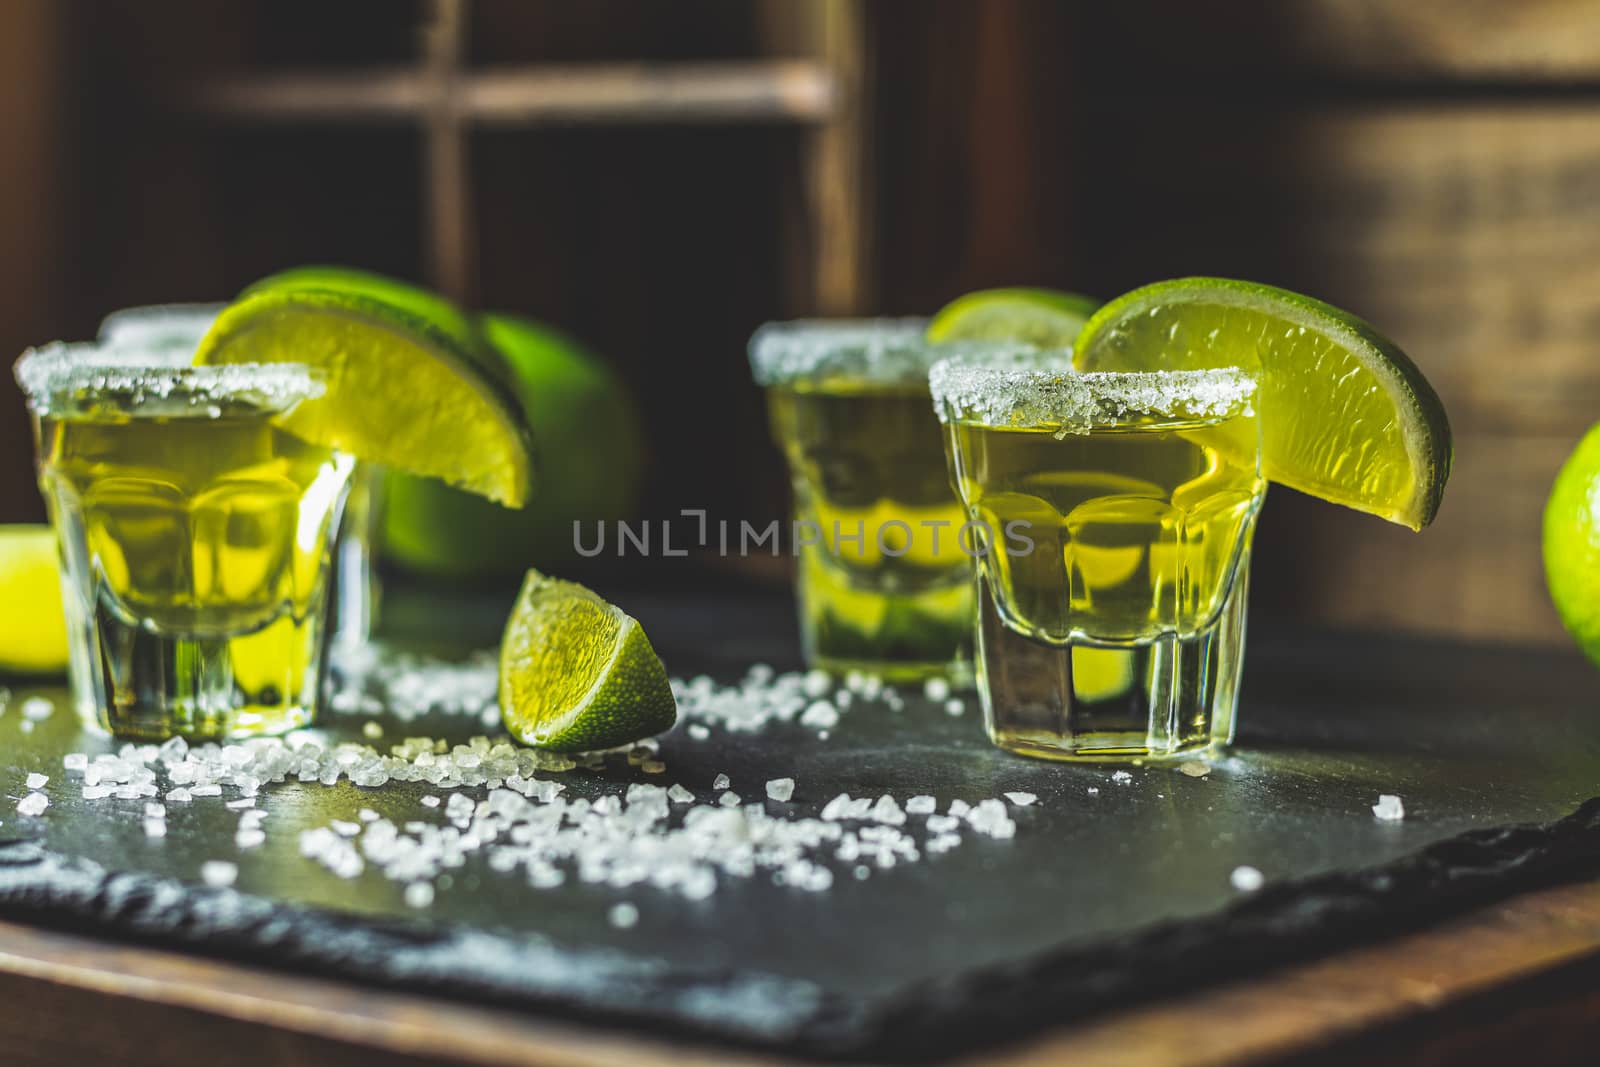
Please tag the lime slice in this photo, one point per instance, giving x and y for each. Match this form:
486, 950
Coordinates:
1572, 544
33, 628
1048, 318
581, 411
577, 673
1345, 415
403, 389
428, 306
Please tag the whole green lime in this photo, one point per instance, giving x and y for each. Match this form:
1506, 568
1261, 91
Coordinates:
588, 432
1572, 544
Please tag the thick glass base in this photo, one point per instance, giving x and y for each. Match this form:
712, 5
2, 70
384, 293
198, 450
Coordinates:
901, 637
1173, 696
147, 685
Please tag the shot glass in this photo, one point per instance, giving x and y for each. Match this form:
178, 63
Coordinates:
1117, 512
179, 328
881, 580
194, 536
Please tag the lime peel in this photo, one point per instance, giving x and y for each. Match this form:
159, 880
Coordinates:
1346, 416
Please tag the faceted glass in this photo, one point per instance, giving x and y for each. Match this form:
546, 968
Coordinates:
179, 328
1117, 511
882, 581
194, 536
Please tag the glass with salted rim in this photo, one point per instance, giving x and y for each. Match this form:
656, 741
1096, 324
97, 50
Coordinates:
356, 587
194, 537
1117, 511
882, 580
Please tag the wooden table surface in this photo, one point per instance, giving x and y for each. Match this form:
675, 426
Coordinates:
1516, 981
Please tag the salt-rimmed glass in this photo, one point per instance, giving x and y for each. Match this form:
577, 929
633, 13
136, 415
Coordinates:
194, 536
882, 582
1117, 512
354, 612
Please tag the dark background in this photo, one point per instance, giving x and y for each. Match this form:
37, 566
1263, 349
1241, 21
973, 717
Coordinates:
1434, 165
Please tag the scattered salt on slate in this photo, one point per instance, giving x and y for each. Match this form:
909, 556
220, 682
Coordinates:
524, 826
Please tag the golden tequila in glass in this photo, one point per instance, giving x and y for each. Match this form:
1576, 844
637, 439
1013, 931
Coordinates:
1118, 510
882, 579
356, 589
194, 536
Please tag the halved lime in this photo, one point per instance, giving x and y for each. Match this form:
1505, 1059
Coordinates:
1345, 414
405, 389
1048, 318
577, 673
33, 627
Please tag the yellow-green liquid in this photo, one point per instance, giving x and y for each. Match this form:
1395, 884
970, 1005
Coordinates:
867, 459
196, 547
1112, 634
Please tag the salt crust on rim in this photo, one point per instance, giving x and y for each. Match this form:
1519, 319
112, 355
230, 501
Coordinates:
1041, 389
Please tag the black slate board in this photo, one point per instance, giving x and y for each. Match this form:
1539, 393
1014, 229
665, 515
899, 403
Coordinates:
1099, 901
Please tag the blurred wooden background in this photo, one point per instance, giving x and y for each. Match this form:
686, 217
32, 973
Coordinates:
1431, 164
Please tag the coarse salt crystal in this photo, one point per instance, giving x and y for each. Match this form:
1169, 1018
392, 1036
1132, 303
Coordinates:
38, 781
1021, 800
75, 761
887, 811
721, 781
1389, 808
730, 799
218, 874
780, 789
1121, 776
33, 804
419, 895
677, 794
430, 801
1194, 768
1247, 879
623, 916
820, 714
37, 709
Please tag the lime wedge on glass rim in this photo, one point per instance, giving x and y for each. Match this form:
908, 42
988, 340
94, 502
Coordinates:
1048, 318
578, 673
1346, 416
410, 384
